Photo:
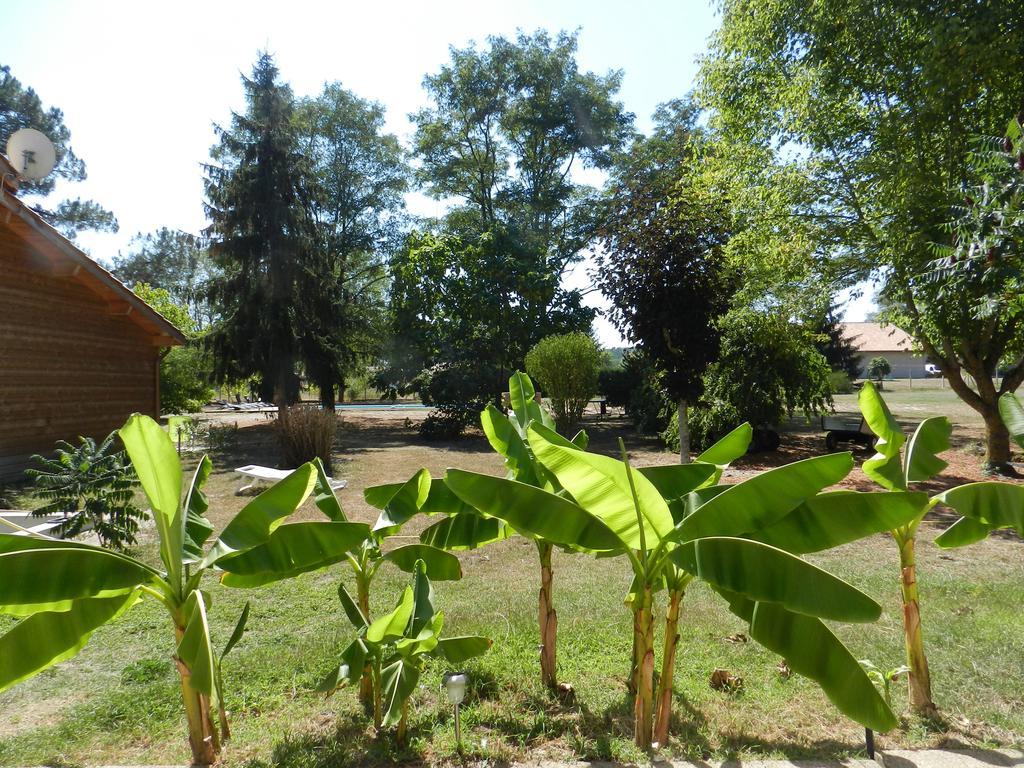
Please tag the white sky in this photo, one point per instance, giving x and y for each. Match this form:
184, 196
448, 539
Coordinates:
141, 85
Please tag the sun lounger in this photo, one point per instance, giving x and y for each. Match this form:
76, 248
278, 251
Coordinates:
270, 475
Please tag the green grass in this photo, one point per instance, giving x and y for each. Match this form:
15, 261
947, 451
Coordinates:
117, 702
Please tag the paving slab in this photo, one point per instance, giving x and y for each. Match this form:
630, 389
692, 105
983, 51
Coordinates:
951, 758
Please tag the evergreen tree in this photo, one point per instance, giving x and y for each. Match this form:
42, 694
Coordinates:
837, 348
260, 239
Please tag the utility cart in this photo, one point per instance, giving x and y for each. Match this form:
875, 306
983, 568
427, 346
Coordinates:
842, 428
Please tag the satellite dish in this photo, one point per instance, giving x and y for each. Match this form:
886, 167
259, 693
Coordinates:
31, 154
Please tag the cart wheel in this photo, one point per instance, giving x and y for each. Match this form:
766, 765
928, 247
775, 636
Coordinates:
830, 441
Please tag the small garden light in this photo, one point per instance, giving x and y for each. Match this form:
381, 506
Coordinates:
455, 686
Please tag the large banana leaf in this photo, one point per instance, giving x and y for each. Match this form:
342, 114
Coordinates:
674, 481
456, 650
1012, 411
812, 650
261, 516
533, 510
50, 637
404, 504
763, 499
963, 532
730, 447
196, 650
158, 468
440, 565
885, 467
398, 681
324, 496
292, 549
831, 519
522, 398
422, 603
507, 440
601, 486
355, 614
197, 527
930, 439
353, 660
392, 625
995, 504
466, 530
763, 573
47, 578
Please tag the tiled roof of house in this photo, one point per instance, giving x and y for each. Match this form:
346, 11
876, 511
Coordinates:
873, 337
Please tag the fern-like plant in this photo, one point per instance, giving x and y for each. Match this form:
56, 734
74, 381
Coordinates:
89, 483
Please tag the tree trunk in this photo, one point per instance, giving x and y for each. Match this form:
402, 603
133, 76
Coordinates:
643, 705
668, 669
202, 735
403, 724
684, 434
378, 709
548, 620
366, 681
327, 396
920, 679
281, 400
997, 442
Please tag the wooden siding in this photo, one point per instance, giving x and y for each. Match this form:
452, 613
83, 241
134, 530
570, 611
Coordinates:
70, 365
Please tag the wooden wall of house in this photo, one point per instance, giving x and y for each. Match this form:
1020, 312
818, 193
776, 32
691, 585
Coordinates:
68, 367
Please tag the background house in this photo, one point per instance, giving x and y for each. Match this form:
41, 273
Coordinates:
895, 345
79, 352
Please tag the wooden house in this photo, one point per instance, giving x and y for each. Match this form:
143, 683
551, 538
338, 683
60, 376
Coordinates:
79, 352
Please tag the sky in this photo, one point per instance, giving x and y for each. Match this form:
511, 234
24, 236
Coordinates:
142, 84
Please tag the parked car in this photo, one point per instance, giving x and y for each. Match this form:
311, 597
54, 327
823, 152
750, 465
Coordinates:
932, 371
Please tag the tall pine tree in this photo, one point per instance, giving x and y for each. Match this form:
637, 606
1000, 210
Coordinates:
260, 237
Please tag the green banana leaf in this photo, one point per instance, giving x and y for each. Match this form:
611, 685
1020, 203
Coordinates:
581, 440
812, 650
403, 505
48, 578
196, 650
522, 398
292, 549
398, 681
422, 602
600, 485
352, 610
237, 632
885, 467
1012, 411
440, 565
466, 530
507, 440
258, 519
763, 499
197, 527
674, 481
767, 574
456, 650
349, 671
831, 519
158, 468
963, 532
392, 626
729, 448
324, 497
49, 637
533, 510
995, 504
930, 439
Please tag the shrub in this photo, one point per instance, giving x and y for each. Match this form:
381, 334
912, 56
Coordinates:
442, 426
566, 366
616, 385
92, 483
841, 383
307, 434
458, 392
878, 369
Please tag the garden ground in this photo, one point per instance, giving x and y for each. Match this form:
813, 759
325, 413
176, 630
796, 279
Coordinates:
118, 702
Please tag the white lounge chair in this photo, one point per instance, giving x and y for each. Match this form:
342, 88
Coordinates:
260, 474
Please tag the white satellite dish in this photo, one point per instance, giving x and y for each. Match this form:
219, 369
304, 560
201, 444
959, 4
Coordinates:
31, 154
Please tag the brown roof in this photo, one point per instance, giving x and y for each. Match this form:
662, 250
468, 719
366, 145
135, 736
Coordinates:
873, 337
18, 222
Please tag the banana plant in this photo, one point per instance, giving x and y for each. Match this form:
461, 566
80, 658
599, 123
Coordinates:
711, 534
983, 507
395, 647
64, 591
1012, 411
399, 503
898, 468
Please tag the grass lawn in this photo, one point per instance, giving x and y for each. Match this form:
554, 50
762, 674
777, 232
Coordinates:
118, 702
